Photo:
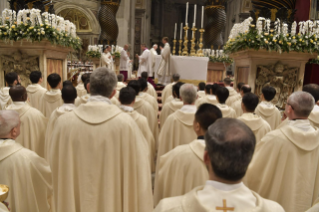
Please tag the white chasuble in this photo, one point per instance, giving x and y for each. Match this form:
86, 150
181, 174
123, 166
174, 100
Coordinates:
50, 101
153, 54
169, 108
124, 61
227, 111
35, 92
237, 107
145, 63
163, 72
315, 207
201, 94
107, 61
167, 91
80, 89
3, 208
314, 116
151, 90
285, 166
5, 99
84, 99
209, 99
233, 96
99, 160
150, 99
269, 113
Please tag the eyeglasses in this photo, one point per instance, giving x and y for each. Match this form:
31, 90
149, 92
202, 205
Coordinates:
290, 105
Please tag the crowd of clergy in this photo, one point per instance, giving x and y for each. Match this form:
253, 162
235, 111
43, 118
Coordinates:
101, 146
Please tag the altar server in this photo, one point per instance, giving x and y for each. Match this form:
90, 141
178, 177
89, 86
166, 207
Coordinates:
285, 166
210, 97
201, 89
182, 169
178, 127
237, 104
233, 95
5, 99
124, 63
147, 97
230, 146
84, 99
145, 62
150, 88
167, 91
27, 175
69, 93
111, 168
35, 90
267, 110
313, 89
107, 58
33, 123
81, 90
257, 124
51, 99
163, 71
222, 96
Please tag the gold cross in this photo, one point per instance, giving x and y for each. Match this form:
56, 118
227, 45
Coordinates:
225, 208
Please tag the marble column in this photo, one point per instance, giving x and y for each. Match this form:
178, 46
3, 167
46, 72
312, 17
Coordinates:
3, 5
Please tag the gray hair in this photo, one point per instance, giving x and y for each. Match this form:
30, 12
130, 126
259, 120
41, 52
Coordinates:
155, 45
188, 93
102, 82
302, 103
176, 77
9, 119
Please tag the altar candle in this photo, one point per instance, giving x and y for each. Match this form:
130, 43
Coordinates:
195, 11
181, 34
202, 17
186, 18
175, 31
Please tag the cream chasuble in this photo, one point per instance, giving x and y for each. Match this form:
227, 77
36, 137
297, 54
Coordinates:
180, 171
153, 54
28, 177
258, 125
163, 71
315, 207
80, 89
33, 127
209, 99
3, 208
35, 92
83, 100
167, 91
151, 90
269, 112
107, 61
285, 166
227, 111
233, 96
150, 99
99, 160
201, 94
50, 101
237, 107
237, 200
145, 63
169, 108
314, 116
120, 85
5, 99
115, 100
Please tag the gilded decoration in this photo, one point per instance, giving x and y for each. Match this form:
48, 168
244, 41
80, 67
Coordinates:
78, 18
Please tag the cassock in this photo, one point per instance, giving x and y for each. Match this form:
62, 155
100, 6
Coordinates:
5, 99
269, 113
164, 72
151, 90
150, 99
227, 111
167, 91
99, 160
219, 196
258, 125
33, 127
285, 166
169, 108
233, 96
107, 61
237, 107
142, 123
177, 130
314, 116
35, 92
145, 63
210, 99
50, 101
65, 108
84, 99
201, 94
315, 207
28, 176
175, 173
80, 89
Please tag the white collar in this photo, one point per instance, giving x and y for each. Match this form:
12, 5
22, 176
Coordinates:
99, 98
19, 103
223, 186
67, 107
316, 108
189, 109
302, 124
5, 142
54, 91
126, 108
267, 104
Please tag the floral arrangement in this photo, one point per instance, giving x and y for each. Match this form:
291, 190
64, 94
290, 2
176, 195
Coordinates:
94, 51
34, 26
261, 36
217, 56
314, 61
116, 51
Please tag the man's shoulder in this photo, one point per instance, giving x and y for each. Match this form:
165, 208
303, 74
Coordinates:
173, 204
268, 205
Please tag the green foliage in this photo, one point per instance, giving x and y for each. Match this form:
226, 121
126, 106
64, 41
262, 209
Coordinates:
93, 54
223, 59
314, 61
117, 54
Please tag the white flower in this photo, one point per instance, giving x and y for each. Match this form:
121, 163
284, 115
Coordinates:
35, 30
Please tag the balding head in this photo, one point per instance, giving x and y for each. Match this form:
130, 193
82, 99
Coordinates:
18, 93
299, 105
230, 145
176, 77
188, 93
155, 46
103, 82
9, 124
69, 94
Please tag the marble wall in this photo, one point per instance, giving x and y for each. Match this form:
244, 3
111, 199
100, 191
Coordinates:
3, 4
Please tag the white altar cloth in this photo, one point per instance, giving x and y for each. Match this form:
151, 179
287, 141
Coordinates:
191, 69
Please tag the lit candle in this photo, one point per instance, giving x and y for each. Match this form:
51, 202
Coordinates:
202, 17
186, 18
181, 34
195, 11
175, 31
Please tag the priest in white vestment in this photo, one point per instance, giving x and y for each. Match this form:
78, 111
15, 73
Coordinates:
33, 123
104, 148
209, 97
27, 175
229, 148
257, 124
51, 99
167, 91
182, 169
172, 106
107, 58
222, 96
147, 97
267, 110
119, 86
313, 89
237, 104
84, 99
5, 99
285, 167
153, 54
145, 62
164, 72
127, 98
69, 93
35, 90
150, 88
80, 88
201, 90
124, 63
233, 95
178, 127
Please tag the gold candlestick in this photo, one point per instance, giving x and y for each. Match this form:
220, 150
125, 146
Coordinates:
185, 50
180, 47
193, 51
174, 46
200, 50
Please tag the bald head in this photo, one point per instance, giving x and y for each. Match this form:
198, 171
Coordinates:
188, 93
9, 119
18, 93
299, 105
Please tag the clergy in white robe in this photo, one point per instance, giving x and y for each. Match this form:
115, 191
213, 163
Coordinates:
84, 99
233, 95
285, 166
27, 175
226, 157
167, 91
257, 124
209, 97
201, 90
237, 104
147, 97
5, 99
145, 62
178, 127
150, 88
80, 88
104, 148
164, 72
222, 95
35, 90
51, 99
124, 59
313, 89
107, 58
176, 171
153, 54
267, 110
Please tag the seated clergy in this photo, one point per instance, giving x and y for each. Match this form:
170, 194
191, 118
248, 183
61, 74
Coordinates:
150, 88
237, 104
172, 106
222, 95
84, 99
27, 175
229, 149
97, 155
267, 110
285, 167
69, 94
127, 99
147, 97
257, 124
35, 90
33, 123
233, 95
201, 90
313, 89
51, 99
182, 169
210, 95
178, 127
5, 99
167, 92
80, 88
